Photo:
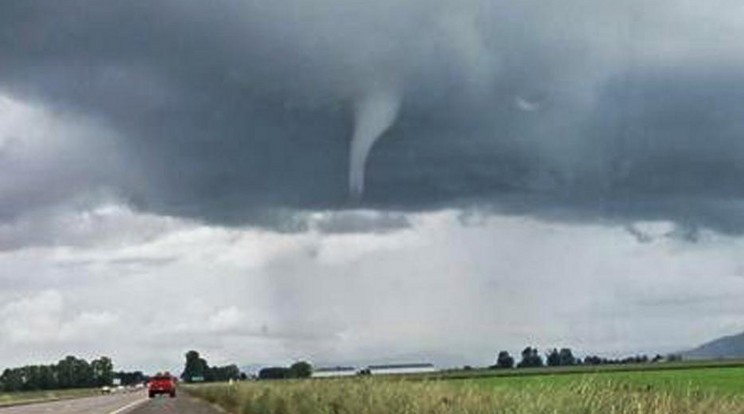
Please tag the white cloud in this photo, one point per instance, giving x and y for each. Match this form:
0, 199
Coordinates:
444, 290
33, 319
43, 319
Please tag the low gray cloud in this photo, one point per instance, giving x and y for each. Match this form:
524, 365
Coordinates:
443, 292
243, 112
360, 222
70, 226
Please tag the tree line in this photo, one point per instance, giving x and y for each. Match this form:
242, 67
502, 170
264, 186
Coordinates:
131, 378
531, 358
299, 369
70, 372
198, 370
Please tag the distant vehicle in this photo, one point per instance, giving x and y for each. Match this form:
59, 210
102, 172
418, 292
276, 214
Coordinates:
105, 390
162, 384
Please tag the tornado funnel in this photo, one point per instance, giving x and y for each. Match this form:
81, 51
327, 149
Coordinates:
374, 113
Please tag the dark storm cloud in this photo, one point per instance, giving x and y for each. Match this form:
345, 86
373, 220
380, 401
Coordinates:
242, 112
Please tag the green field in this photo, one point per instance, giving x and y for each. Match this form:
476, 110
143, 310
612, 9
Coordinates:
668, 366
40, 396
721, 381
681, 390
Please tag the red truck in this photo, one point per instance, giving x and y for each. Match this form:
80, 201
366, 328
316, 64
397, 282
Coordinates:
162, 384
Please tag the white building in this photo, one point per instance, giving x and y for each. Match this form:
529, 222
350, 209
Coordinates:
334, 372
400, 369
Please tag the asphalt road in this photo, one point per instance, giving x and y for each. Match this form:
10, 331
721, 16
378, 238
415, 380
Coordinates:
134, 403
183, 404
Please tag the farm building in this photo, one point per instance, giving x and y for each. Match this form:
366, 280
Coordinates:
334, 372
400, 369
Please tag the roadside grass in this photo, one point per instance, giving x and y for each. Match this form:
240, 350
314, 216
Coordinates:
691, 391
29, 397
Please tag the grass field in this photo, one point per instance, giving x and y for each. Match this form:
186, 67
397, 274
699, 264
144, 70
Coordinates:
668, 366
668, 391
720, 381
40, 396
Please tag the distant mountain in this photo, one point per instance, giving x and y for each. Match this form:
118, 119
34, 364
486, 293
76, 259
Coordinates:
727, 347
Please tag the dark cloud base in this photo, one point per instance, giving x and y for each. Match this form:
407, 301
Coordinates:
242, 115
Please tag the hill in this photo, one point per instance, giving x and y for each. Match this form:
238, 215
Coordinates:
727, 347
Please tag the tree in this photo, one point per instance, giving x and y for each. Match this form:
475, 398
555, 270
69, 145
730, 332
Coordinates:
74, 373
553, 359
82, 374
208, 373
562, 358
130, 378
274, 373
592, 360
566, 357
195, 367
69, 372
48, 377
504, 361
64, 372
103, 371
12, 380
30, 378
301, 369
530, 358
226, 373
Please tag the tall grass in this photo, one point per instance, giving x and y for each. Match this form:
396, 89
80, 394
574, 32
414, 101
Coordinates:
376, 396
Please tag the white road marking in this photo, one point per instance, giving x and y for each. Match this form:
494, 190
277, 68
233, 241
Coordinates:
128, 406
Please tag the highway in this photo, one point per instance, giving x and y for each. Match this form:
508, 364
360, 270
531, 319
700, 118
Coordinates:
131, 403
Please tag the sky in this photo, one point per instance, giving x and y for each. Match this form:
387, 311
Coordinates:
354, 182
